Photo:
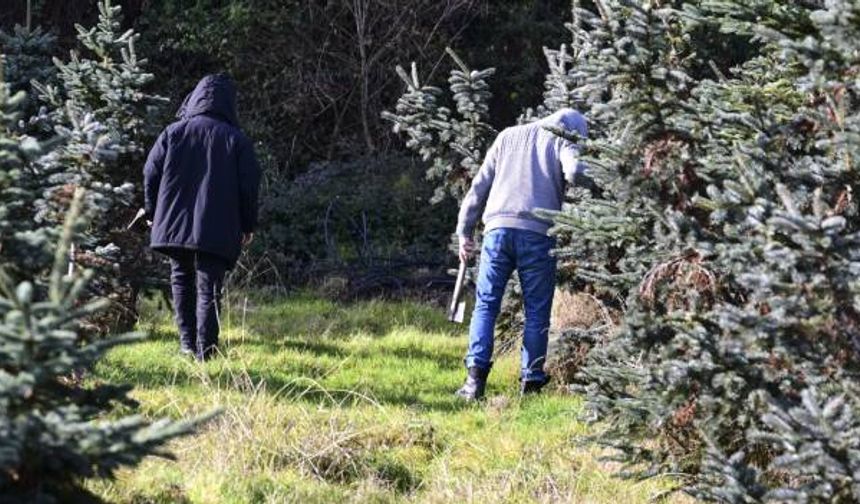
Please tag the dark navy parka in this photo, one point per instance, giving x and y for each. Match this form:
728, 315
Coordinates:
201, 179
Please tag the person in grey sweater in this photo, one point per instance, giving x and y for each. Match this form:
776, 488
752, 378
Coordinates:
526, 168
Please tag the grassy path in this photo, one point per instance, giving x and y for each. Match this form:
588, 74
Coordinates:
329, 403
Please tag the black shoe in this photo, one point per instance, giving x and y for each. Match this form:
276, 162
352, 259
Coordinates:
187, 349
533, 386
208, 354
476, 382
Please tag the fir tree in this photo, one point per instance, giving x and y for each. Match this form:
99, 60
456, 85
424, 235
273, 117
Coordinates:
29, 53
453, 143
724, 139
24, 246
53, 430
102, 109
726, 225
563, 84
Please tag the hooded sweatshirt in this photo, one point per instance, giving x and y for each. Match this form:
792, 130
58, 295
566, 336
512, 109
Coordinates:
201, 179
525, 169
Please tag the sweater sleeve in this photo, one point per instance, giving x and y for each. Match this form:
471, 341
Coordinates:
476, 199
572, 167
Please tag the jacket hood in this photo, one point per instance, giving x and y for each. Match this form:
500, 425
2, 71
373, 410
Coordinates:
568, 118
213, 95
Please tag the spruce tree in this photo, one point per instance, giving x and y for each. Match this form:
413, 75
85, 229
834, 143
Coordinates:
726, 228
107, 118
54, 432
724, 139
29, 53
453, 143
25, 247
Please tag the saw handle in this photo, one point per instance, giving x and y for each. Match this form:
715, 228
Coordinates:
139, 215
458, 289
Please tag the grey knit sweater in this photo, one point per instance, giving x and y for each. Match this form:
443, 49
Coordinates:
524, 169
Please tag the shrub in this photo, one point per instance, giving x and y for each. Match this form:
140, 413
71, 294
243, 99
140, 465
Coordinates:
367, 212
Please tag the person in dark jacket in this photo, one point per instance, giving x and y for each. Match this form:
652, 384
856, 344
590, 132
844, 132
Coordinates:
201, 182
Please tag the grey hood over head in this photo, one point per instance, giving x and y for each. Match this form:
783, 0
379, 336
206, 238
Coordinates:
567, 118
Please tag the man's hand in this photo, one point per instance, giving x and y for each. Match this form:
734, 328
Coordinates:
247, 238
467, 248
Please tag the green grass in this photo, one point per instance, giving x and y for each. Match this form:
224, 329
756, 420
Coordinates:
332, 403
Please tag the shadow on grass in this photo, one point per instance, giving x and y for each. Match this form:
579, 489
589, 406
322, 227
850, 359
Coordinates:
295, 389
307, 318
317, 330
158, 332
295, 381
447, 361
310, 317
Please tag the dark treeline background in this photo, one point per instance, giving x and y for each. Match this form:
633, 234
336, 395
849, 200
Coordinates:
314, 77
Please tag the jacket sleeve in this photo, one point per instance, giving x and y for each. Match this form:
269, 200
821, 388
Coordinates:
476, 199
152, 171
249, 186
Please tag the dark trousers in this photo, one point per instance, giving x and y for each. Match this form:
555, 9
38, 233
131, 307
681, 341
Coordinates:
196, 279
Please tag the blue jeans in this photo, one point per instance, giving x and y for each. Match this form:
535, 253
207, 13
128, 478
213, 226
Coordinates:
505, 250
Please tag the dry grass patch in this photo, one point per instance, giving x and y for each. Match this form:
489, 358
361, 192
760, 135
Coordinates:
577, 310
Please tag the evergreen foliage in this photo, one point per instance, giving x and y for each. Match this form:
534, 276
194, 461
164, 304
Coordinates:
53, 427
726, 226
101, 108
28, 57
454, 143
53, 430
724, 139
24, 246
563, 84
